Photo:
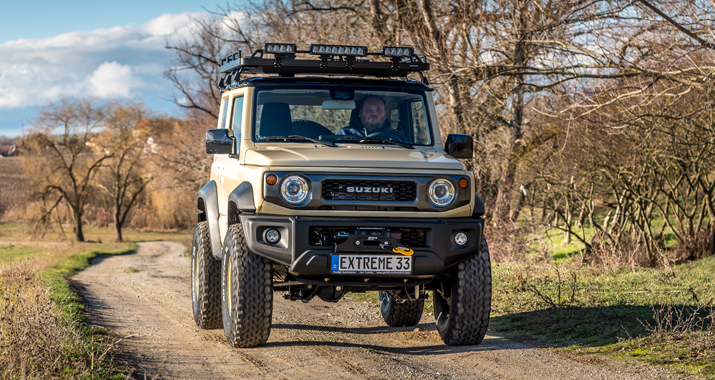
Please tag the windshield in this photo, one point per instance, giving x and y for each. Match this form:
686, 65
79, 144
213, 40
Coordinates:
342, 113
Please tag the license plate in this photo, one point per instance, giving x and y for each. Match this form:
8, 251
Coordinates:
373, 264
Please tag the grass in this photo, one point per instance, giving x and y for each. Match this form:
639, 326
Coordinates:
563, 252
24, 234
589, 309
42, 325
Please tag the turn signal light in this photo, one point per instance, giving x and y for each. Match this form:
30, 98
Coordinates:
463, 183
271, 179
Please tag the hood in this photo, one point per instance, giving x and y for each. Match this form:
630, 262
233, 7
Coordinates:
360, 156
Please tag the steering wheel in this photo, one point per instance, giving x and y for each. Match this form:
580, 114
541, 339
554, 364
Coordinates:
388, 135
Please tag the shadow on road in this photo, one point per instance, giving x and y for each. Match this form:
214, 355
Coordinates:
491, 343
100, 258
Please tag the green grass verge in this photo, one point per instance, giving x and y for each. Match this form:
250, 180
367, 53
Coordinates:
74, 312
55, 278
587, 309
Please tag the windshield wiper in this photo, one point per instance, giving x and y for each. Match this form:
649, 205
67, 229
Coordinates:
376, 140
297, 138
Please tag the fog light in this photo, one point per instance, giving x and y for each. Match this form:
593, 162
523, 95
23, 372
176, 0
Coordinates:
272, 236
461, 239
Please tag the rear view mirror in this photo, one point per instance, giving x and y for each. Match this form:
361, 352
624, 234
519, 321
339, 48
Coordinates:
459, 146
218, 141
338, 104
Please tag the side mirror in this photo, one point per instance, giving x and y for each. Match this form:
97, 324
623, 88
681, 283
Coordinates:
459, 146
218, 141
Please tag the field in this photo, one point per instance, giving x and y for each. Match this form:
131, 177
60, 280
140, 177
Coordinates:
657, 315
12, 183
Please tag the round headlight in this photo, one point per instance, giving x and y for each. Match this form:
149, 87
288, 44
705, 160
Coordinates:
294, 189
441, 192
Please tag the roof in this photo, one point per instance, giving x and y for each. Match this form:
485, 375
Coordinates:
7, 149
257, 81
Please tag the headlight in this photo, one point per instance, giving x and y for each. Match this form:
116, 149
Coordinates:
294, 189
441, 193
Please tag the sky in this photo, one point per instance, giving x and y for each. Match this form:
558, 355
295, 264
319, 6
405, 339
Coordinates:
100, 49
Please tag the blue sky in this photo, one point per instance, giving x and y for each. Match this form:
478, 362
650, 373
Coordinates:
103, 49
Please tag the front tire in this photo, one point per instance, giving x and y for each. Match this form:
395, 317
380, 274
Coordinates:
462, 305
395, 314
205, 281
246, 292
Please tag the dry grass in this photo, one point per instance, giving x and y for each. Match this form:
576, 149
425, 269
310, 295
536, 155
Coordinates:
42, 334
36, 339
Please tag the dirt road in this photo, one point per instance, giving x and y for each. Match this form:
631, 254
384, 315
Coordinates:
144, 298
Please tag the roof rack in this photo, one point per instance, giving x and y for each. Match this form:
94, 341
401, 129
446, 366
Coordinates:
333, 60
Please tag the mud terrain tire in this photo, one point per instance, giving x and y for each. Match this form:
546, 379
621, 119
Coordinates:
246, 292
463, 317
205, 281
398, 314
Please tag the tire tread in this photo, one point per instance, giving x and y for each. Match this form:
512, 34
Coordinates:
207, 307
249, 324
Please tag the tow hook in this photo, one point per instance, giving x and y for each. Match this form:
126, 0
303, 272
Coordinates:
407, 251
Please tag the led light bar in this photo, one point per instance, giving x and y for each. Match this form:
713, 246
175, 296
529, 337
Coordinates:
280, 48
350, 51
397, 51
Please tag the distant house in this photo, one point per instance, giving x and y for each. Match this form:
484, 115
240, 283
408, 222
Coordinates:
8, 150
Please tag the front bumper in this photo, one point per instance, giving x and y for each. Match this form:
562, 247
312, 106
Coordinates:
313, 262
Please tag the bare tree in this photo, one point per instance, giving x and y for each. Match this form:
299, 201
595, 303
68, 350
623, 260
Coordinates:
58, 157
126, 136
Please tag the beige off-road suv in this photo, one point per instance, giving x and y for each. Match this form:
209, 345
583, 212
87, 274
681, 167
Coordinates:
330, 176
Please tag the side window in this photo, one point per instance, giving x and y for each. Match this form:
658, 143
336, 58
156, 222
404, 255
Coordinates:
236, 121
224, 115
237, 117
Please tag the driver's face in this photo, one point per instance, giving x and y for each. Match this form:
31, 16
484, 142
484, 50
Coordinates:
372, 114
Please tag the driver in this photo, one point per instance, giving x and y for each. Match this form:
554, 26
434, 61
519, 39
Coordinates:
372, 119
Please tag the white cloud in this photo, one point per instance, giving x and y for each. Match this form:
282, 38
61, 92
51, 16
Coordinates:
118, 61
112, 79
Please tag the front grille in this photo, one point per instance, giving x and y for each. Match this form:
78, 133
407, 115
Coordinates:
367, 208
411, 237
362, 190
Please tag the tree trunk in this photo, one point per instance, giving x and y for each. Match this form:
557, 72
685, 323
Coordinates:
78, 226
118, 222
118, 232
567, 233
504, 204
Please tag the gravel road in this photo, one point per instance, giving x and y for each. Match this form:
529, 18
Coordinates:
144, 298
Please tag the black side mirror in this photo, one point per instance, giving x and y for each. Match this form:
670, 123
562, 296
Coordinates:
459, 146
218, 141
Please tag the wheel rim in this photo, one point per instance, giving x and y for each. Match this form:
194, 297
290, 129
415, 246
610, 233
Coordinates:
444, 309
228, 285
196, 274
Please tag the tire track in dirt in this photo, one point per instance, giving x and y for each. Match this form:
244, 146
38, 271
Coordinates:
145, 297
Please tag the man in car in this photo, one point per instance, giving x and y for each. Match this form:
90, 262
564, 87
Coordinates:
371, 119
